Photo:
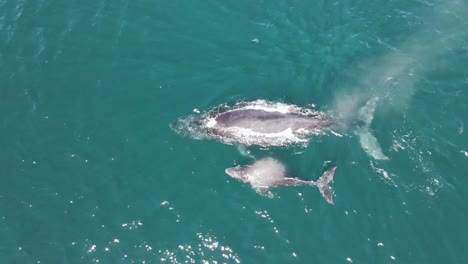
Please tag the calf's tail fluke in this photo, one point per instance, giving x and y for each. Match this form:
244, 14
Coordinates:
323, 184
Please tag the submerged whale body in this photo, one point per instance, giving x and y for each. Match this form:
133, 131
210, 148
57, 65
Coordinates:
266, 124
268, 172
259, 123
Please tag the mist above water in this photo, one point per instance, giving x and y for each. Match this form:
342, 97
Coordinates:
394, 76
266, 172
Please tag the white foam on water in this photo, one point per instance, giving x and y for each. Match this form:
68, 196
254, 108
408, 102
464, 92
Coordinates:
336, 134
386, 176
208, 248
211, 122
269, 106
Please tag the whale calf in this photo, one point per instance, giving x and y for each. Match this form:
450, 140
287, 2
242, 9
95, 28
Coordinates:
268, 172
268, 124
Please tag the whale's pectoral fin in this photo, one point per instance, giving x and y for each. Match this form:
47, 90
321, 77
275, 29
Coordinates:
264, 191
244, 151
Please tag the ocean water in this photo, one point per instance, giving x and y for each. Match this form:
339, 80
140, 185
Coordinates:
90, 171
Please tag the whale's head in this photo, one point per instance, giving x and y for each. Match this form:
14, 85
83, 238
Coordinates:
238, 172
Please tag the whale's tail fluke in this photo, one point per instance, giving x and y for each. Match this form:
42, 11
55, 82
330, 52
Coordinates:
323, 184
368, 141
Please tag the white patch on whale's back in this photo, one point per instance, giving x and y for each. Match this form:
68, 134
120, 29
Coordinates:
248, 137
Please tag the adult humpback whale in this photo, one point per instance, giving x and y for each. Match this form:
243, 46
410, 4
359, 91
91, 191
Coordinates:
268, 172
265, 124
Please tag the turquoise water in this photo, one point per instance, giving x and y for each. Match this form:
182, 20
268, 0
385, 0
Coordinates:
91, 172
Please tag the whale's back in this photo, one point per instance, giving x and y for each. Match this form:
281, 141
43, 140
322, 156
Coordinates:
261, 121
